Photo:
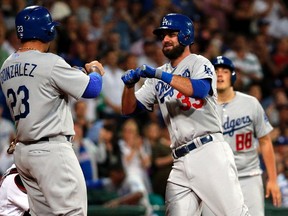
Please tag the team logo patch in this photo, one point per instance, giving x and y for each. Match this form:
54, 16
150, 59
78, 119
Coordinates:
207, 70
186, 73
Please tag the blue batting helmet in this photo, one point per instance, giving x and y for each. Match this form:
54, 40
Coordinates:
227, 63
180, 23
35, 22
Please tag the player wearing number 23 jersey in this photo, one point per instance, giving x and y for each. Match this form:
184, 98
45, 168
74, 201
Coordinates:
38, 87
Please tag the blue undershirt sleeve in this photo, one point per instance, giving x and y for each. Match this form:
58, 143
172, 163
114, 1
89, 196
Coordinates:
94, 86
201, 87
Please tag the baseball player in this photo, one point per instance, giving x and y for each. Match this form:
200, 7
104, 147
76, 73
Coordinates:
38, 87
13, 195
245, 127
185, 89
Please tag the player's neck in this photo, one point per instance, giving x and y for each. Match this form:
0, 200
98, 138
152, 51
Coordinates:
226, 96
175, 62
34, 45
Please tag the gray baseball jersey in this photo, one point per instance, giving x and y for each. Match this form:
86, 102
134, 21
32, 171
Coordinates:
38, 88
185, 117
244, 121
193, 177
37, 95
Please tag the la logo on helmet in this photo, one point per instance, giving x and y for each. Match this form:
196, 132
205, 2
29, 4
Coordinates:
220, 60
165, 22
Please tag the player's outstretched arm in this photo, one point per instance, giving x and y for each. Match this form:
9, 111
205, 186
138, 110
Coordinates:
188, 87
272, 188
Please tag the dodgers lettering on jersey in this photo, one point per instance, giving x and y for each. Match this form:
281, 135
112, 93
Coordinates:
17, 70
185, 117
243, 122
232, 125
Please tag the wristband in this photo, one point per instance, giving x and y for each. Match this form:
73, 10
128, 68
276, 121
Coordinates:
166, 77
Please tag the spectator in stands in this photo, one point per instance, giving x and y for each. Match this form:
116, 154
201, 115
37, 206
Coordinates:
112, 86
135, 159
130, 190
80, 115
276, 13
108, 137
88, 153
221, 10
246, 63
3, 53
162, 160
242, 17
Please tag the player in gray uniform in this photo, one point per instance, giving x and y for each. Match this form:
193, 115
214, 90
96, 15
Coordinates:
245, 128
185, 89
38, 87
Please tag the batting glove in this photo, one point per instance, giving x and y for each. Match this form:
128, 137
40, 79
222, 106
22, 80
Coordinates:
130, 77
150, 72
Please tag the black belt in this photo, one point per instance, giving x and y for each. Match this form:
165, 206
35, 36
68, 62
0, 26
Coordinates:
185, 149
46, 139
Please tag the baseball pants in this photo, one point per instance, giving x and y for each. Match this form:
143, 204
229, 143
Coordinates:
53, 178
207, 174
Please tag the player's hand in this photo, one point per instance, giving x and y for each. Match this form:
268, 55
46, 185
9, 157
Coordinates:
272, 188
147, 71
130, 77
95, 66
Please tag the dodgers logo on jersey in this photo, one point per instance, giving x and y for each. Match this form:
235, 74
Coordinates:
164, 90
186, 103
232, 125
207, 70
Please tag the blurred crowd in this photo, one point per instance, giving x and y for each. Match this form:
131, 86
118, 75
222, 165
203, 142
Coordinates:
118, 33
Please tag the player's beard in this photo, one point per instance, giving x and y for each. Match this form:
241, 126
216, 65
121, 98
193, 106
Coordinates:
175, 52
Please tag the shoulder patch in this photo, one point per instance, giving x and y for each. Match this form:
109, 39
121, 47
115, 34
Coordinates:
207, 70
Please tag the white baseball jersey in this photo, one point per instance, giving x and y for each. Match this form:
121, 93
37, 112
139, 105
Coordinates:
37, 95
13, 201
185, 117
244, 121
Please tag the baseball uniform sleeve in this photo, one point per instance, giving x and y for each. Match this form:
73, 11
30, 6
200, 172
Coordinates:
261, 123
146, 94
69, 80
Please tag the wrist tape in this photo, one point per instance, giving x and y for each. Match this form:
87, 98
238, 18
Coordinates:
166, 77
